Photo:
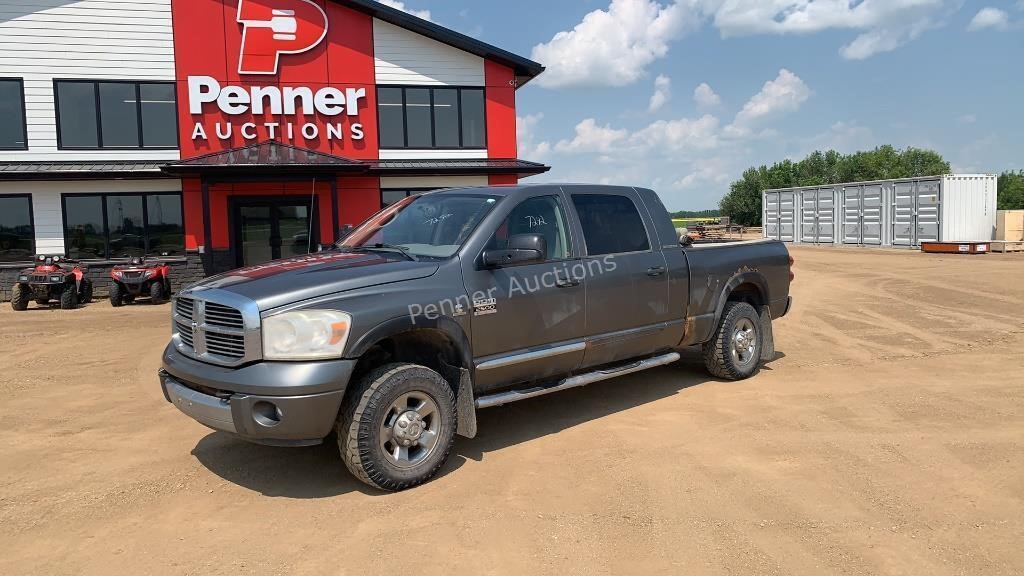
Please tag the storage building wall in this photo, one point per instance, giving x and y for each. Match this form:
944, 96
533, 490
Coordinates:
84, 39
968, 207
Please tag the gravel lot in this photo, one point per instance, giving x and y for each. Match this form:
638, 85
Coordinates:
886, 438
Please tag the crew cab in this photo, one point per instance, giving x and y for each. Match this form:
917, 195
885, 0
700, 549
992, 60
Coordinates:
458, 300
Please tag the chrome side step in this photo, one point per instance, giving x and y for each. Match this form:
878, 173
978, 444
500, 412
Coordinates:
576, 381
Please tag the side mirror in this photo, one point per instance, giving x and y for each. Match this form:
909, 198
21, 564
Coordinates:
522, 249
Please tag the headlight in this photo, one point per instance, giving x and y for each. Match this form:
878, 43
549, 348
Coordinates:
55, 278
305, 335
22, 278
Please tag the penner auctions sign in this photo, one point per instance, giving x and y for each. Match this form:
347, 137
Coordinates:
295, 71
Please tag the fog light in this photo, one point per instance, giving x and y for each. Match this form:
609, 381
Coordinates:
266, 414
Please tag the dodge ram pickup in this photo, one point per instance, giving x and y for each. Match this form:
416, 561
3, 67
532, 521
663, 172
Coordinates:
457, 300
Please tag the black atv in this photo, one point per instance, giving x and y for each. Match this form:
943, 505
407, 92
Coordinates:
140, 278
52, 278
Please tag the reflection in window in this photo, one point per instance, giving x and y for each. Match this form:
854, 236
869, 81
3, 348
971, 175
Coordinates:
12, 115
123, 225
116, 114
17, 234
424, 117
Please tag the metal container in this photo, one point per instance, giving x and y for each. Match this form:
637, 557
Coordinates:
903, 213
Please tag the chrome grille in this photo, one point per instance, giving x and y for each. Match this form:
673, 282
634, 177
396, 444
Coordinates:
217, 326
223, 316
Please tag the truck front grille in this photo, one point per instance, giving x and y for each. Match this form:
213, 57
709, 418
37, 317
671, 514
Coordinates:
219, 332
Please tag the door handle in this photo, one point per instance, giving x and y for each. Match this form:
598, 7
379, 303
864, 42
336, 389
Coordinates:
568, 282
655, 271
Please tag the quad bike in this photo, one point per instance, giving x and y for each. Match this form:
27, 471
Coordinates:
52, 278
140, 278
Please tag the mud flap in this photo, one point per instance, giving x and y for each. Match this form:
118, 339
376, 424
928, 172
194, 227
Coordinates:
465, 404
768, 343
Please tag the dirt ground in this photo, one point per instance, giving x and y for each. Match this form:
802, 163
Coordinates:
886, 438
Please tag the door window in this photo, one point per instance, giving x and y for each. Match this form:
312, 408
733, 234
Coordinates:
611, 224
541, 215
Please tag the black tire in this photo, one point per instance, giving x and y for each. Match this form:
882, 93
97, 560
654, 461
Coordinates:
157, 294
85, 291
116, 295
372, 402
724, 355
69, 297
20, 297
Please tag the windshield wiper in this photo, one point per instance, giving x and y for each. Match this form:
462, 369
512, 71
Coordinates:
390, 248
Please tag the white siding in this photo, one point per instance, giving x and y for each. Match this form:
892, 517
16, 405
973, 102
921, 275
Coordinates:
104, 39
432, 154
968, 207
405, 57
46, 204
408, 182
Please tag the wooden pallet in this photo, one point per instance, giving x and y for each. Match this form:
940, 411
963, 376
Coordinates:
955, 247
1007, 246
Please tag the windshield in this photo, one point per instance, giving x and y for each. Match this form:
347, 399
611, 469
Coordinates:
430, 226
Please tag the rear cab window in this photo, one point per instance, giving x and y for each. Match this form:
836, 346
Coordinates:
611, 224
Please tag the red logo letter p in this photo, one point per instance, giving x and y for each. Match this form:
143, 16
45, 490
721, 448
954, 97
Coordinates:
274, 27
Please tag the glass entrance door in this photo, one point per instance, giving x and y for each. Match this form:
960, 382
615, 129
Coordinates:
274, 228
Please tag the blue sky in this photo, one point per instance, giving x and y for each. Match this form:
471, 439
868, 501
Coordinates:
783, 78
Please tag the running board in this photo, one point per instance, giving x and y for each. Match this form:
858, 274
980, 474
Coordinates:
576, 381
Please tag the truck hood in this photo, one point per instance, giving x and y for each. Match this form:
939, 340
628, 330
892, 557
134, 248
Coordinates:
283, 282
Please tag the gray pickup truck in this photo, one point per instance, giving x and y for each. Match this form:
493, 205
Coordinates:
458, 300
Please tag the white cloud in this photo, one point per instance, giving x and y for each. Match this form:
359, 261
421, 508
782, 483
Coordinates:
677, 135
989, 18
591, 138
526, 136
612, 47
786, 93
424, 14
885, 24
705, 97
662, 93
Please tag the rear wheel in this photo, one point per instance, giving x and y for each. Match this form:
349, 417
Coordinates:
68, 297
397, 426
734, 352
116, 295
157, 293
85, 291
20, 297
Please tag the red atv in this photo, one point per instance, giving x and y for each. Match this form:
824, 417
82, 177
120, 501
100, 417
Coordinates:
140, 279
53, 278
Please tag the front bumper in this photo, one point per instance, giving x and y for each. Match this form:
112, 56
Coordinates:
275, 403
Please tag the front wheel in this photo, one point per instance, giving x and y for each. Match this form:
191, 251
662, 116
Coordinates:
85, 291
734, 351
116, 295
157, 293
397, 426
69, 297
20, 297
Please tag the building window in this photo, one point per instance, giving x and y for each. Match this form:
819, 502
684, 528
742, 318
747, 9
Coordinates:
12, 115
105, 226
17, 232
427, 117
116, 114
611, 224
389, 196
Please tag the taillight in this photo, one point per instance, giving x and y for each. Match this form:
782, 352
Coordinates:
791, 274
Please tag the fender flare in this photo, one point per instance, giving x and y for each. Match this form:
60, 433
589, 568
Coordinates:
405, 323
747, 277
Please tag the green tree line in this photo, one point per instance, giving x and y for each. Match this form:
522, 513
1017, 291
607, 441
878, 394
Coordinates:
1011, 190
743, 201
696, 214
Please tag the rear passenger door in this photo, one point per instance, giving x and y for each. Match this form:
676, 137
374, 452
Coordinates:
627, 282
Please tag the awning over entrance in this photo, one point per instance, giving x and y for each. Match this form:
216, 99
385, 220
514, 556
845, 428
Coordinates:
266, 158
276, 158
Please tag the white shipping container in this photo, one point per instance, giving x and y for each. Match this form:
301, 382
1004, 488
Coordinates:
903, 212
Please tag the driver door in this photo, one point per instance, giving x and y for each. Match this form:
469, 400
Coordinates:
528, 319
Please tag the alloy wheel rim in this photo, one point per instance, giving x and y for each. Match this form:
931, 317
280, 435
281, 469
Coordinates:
743, 343
410, 429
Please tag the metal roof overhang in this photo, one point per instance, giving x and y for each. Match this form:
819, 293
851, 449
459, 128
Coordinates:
81, 170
